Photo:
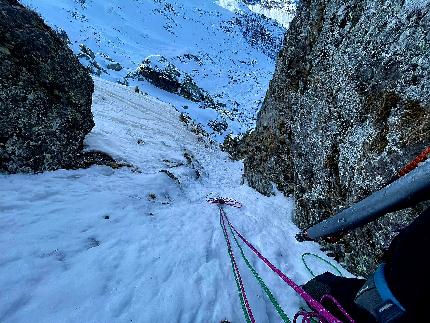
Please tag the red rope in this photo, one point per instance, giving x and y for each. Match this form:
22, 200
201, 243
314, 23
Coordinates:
414, 164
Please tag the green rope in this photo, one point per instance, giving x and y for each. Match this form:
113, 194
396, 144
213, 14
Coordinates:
322, 259
269, 294
242, 301
313, 320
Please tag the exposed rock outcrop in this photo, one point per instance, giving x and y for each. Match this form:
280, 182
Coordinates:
349, 104
97, 64
45, 95
164, 75
88, 58
260, 32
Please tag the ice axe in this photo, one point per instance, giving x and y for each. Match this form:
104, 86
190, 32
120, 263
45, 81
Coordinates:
402, 193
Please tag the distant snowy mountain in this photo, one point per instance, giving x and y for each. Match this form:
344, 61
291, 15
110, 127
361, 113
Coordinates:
278, 10
224, 48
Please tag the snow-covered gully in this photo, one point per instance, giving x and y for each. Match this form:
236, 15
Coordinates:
141, 244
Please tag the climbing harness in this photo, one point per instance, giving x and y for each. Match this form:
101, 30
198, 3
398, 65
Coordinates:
377, 298
308, 254
319, 311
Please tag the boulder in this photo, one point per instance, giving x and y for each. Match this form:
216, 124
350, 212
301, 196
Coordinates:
45, 95
115, 67
348, 106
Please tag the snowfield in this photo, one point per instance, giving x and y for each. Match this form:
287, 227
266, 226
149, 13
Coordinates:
227, 47
141, 244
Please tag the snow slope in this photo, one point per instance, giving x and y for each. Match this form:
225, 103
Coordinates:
136, 244
229, 52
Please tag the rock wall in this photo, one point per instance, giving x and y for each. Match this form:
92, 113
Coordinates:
348, 106
45, 95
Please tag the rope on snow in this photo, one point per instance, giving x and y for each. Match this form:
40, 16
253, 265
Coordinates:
319, 311
308, 254
240, 288
269, 294
322, 312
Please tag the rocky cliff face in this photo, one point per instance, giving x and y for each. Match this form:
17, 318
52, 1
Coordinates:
349, 104
45, 95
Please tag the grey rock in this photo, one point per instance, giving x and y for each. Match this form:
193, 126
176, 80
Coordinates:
348, 106
260, 32
115, 67
85, 51
164, 75
218, 126
88, 58
45, 95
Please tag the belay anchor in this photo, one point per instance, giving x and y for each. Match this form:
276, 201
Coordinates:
225, 201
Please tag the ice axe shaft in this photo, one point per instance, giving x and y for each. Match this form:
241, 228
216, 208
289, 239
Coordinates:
405, 192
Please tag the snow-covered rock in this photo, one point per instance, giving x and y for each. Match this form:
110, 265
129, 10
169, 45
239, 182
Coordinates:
164, 75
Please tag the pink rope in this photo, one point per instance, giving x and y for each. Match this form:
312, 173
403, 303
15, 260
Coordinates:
236, 268
340, 307
308, 298
308, 316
